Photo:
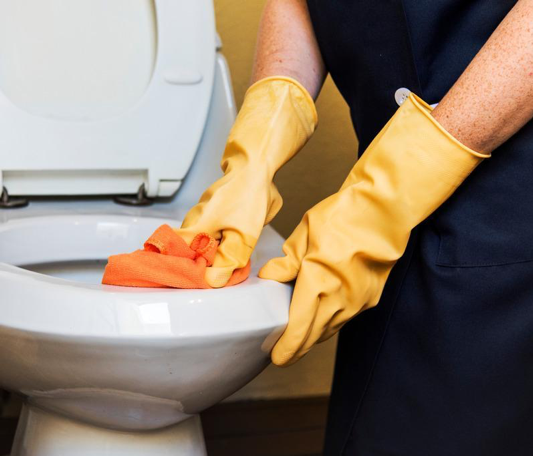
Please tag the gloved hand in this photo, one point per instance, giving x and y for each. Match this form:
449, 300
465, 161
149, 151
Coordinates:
345, 247
276, 119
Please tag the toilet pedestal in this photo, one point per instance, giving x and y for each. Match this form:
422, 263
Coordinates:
42, 433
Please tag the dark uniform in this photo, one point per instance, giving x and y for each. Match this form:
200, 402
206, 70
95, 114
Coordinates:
443, 366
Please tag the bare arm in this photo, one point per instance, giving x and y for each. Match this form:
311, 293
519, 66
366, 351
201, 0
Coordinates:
287, 45
493, 98
489, 103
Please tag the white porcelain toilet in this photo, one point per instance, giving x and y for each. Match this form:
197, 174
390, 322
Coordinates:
102, 98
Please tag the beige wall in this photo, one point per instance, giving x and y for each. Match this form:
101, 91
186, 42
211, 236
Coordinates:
315, 173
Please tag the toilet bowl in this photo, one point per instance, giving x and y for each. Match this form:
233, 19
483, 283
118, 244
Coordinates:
113, 370
108, 370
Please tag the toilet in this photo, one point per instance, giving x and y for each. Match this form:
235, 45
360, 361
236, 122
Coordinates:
114, 117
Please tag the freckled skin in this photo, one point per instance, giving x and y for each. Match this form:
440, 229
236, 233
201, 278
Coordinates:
286, 45
489, 103
493, 98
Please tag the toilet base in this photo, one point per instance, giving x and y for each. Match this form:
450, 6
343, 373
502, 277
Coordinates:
41, 433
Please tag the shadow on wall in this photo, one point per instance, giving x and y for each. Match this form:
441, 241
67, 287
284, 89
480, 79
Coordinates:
315, 173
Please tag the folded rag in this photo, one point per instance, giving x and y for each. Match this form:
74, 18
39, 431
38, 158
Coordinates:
168, 262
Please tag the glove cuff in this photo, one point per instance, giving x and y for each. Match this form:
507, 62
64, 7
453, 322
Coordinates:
277, 118
426, 109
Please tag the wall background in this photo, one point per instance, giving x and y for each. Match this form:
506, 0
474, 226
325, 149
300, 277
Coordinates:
316, 172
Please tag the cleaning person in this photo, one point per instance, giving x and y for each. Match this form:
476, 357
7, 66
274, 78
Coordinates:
430, 234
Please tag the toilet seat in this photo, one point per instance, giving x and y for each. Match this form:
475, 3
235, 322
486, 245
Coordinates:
153, 143
34, 302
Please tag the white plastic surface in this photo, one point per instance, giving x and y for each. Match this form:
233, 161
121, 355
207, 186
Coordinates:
152, 141
76, 59
204, 170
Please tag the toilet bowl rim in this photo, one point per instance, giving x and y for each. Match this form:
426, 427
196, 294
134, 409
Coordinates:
36, 303
254, 305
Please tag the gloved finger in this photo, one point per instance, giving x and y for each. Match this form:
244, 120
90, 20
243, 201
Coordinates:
285, 269
329, 320
218, 277
325, 325
302, 318
330, 331
282, 269
233, 253
314, 310
289, 361
337, 319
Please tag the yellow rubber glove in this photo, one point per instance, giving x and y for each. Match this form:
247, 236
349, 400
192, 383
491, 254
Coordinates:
345, 247
276, 119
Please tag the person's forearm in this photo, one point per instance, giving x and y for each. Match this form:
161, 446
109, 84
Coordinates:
493, 98
287, 46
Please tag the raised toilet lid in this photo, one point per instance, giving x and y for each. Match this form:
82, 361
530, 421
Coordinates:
152, 142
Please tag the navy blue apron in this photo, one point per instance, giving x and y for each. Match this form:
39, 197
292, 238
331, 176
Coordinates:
443, 366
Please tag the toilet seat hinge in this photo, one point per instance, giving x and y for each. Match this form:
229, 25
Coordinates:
140, 199
7, 202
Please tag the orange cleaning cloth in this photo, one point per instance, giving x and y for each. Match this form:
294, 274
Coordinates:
168, 262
